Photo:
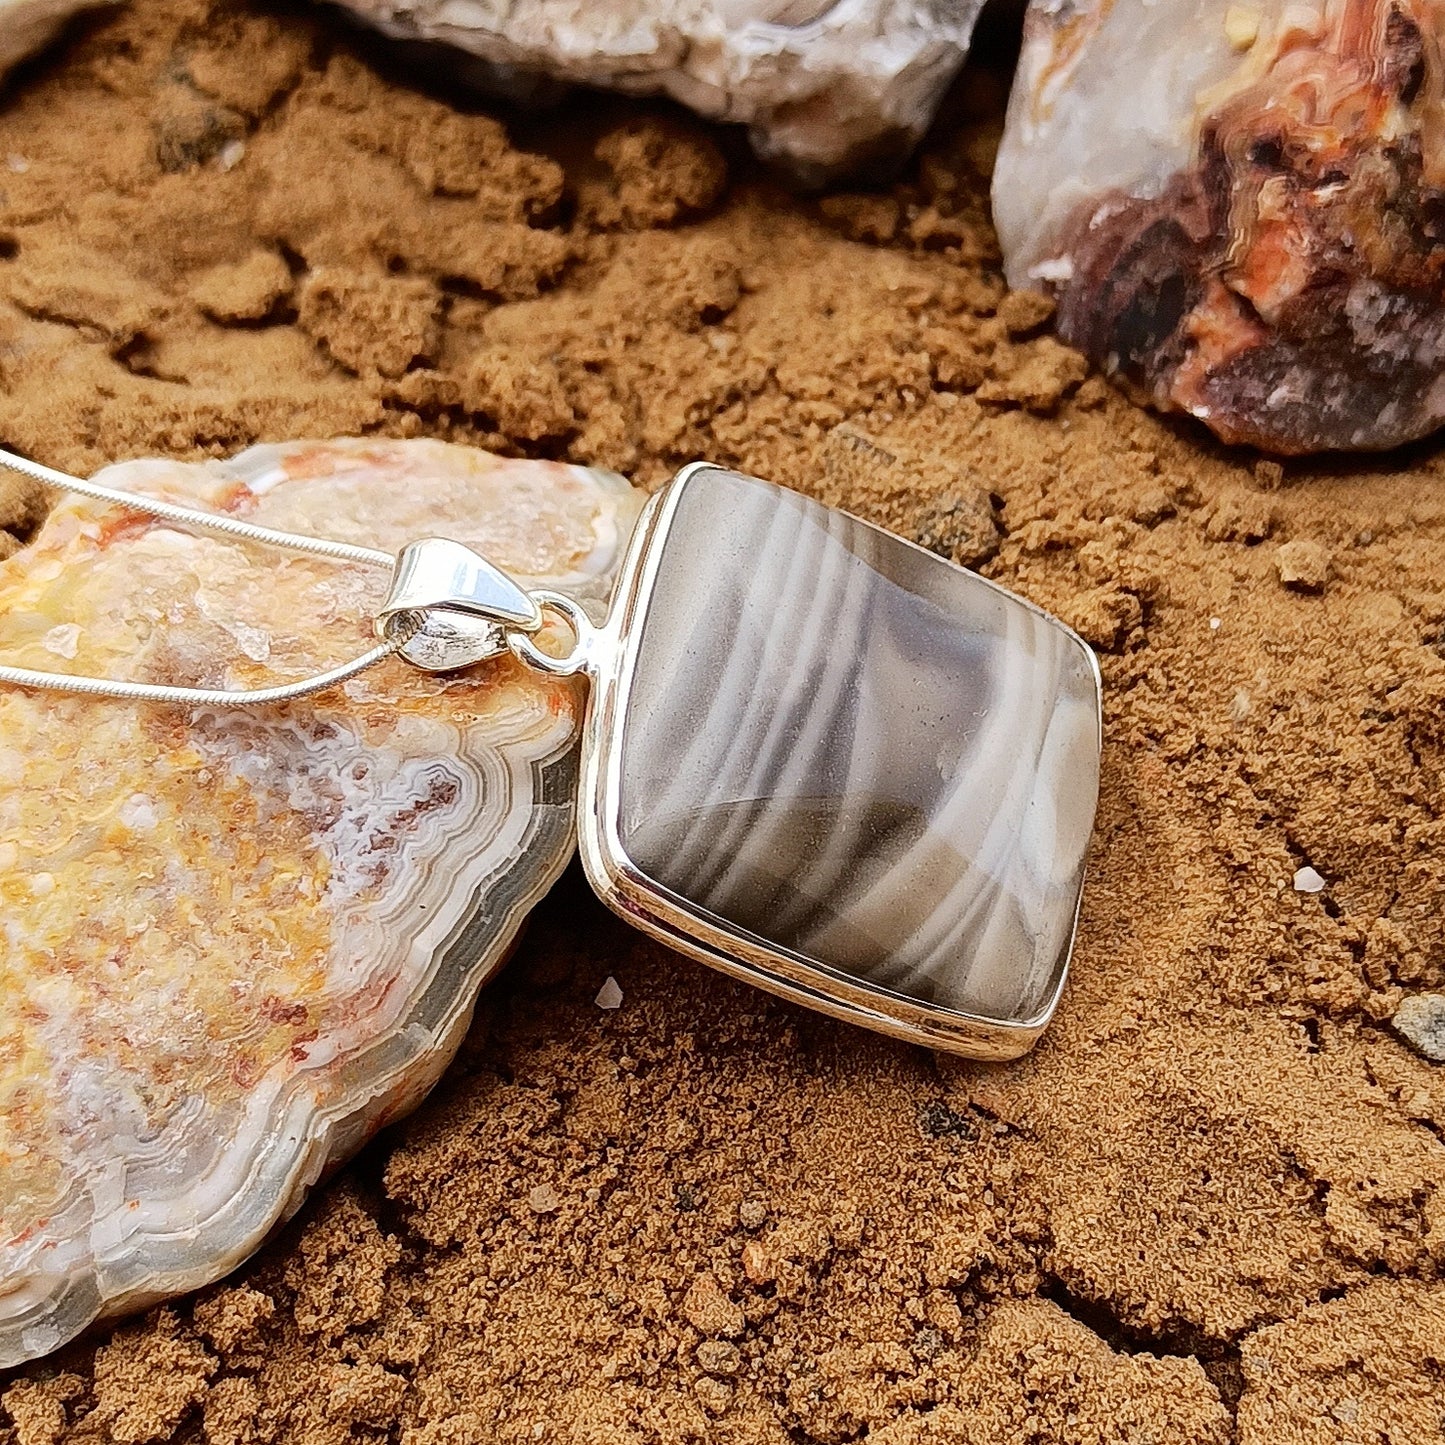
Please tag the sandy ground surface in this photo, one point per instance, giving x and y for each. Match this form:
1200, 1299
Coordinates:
1210, 1207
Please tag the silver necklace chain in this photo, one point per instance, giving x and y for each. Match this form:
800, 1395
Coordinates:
400, 629
190, 517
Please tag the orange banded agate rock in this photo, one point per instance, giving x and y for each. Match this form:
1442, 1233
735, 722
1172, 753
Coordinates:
1240, 207
238, 941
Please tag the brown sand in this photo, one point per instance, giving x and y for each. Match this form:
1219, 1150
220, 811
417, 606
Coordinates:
1210, 1207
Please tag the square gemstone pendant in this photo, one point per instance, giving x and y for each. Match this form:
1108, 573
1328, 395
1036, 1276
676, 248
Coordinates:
839, 767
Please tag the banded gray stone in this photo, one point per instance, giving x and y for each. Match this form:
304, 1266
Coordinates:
853, 758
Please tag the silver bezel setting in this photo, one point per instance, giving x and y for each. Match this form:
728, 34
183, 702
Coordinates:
672, 919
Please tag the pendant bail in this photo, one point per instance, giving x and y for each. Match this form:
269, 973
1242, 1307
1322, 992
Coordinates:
464, 609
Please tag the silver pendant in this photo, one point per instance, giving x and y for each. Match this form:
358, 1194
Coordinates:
814, 756
828, 762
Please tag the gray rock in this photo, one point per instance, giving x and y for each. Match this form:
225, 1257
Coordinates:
1420, 1021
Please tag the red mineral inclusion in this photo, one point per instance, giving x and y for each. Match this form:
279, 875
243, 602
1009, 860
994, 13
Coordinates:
1286, 287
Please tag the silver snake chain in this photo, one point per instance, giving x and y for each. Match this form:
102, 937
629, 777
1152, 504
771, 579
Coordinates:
396, 639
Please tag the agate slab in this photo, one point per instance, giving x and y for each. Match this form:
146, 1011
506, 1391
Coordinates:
238, 942
1238, 208
838, 766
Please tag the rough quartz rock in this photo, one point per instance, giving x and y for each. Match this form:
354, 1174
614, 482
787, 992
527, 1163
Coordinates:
1239, 207
239, 941
824, 87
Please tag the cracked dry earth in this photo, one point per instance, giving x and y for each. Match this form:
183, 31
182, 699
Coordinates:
1209, 1208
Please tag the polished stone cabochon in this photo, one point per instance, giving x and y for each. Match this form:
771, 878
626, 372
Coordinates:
839, 746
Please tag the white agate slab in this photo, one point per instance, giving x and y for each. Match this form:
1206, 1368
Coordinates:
237, 942
821, 86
